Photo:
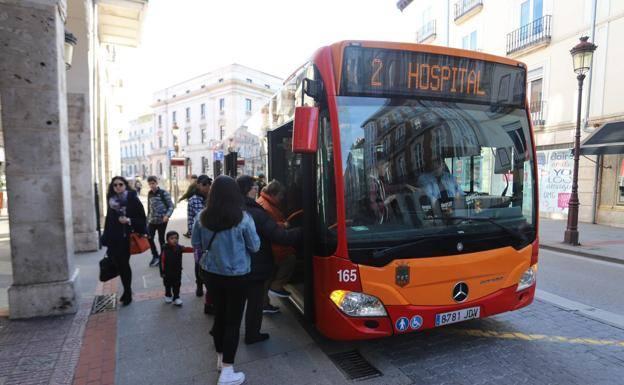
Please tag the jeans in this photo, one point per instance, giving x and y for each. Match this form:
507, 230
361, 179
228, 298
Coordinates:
152, 228
228, 294
172, 286
256, 293
283, 272
122, 261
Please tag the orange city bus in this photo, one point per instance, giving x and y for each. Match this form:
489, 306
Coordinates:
411, 168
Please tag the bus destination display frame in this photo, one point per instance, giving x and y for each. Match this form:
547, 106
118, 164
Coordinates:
383, 72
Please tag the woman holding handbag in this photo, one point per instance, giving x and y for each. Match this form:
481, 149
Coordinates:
125, 220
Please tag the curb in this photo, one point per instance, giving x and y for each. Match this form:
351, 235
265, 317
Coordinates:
580, 253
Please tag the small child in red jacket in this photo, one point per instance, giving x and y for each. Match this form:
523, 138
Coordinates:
171, 267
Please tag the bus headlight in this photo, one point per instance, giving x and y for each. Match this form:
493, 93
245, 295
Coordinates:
528, 278
356, 304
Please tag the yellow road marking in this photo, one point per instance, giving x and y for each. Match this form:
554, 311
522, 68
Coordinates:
533, 337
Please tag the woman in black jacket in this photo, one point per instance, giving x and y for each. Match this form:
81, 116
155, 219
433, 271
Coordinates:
125, 215
262, 265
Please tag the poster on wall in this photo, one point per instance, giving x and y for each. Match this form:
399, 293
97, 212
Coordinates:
555, 180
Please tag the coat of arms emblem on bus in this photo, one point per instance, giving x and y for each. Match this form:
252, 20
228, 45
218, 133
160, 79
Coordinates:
402, 276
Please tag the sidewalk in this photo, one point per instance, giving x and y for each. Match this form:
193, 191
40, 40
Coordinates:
597, 241
150, 342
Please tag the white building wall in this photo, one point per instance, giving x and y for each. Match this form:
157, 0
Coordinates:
552, 63
229, 83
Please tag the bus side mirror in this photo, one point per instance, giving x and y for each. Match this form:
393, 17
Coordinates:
305, 130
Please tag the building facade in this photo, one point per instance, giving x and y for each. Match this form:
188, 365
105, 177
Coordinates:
541, 33
135, 147
206, 115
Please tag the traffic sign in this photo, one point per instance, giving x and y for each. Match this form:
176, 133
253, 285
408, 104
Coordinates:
178, 161
218, 155
170, 153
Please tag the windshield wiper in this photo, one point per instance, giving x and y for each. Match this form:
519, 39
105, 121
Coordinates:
511, 231
393, 249
518, 235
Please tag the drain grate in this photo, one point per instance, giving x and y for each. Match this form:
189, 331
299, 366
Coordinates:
102, 303
354, 365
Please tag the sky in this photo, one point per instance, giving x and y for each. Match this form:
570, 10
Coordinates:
185, 38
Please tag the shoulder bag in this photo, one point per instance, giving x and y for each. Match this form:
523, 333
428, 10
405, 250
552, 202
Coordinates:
138, 243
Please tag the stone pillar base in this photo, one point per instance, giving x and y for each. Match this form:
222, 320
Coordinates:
43, 299
84, 242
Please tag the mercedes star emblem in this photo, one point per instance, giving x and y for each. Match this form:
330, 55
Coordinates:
460, 292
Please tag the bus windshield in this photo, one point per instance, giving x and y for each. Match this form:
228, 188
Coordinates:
418, 168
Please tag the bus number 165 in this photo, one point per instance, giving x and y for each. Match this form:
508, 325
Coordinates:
347, 275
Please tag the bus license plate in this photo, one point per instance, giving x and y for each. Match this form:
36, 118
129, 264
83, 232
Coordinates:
457, 316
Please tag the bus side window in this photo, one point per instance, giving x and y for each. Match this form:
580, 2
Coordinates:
325, 188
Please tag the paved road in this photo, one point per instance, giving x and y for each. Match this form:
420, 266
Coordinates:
584, 280
540, 344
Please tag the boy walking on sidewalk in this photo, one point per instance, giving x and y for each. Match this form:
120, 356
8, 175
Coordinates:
171, 267
159, 210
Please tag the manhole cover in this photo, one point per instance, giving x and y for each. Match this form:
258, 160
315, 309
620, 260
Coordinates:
354, 366
102, 303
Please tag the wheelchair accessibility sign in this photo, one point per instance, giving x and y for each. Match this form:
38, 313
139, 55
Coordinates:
416, 322
402, 324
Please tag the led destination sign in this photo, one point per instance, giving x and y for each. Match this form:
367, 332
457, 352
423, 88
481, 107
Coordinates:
385, 72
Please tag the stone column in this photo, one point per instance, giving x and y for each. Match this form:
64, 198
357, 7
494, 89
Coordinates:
83, 201
80, 132
34, 120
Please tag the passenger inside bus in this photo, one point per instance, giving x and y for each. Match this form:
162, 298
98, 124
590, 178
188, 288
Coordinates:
438, 186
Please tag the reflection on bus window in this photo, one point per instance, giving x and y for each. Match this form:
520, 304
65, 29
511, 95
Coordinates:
409, 164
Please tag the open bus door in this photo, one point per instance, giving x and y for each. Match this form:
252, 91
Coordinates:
296, 172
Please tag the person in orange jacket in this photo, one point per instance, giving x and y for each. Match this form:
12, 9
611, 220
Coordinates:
270, 199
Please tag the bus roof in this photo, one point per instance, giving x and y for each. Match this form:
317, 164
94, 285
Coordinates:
337, 50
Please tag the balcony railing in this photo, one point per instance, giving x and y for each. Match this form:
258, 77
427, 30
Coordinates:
534, 33
462, 7
427, 31
538, 112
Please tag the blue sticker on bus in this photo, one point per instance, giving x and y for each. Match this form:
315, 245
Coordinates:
416, 322
402, 324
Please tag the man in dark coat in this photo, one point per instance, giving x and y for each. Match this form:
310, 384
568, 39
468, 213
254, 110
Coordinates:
262, 265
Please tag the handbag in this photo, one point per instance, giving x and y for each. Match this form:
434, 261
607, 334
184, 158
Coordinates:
108, 269
138, 243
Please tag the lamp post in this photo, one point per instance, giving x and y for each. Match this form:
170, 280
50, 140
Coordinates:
175, 130
581, 57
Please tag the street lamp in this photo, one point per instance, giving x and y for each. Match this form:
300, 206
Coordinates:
582, 54
175, 131
68, 48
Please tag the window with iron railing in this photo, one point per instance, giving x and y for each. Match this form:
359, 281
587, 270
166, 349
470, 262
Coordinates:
462, 7
426, 31
536, 32
538, 112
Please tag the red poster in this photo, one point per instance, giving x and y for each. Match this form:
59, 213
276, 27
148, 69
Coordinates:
562, 200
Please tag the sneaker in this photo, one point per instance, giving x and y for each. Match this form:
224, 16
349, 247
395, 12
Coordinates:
270, 309
259, 338
168, 299
280, 293
187, 234
178, 302
230, 377
155, 262
200, 291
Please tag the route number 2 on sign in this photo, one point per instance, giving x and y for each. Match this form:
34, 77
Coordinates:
349, 275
